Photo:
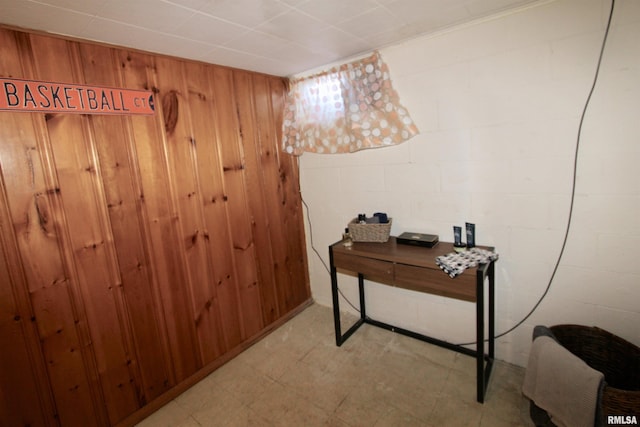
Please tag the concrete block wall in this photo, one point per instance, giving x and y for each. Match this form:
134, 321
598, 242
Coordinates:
498, 103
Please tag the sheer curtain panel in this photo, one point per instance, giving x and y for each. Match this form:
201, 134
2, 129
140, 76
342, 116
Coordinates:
345, 109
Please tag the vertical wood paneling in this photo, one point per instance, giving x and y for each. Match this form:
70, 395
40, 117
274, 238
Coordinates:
233, 166
202, 103
291, 204
281, 181
190, 247
119, 178
15, 408
20, 359
138, 252
32, 194
252, 134
165, 240
148, 169
272, 182
89, 247
208, 307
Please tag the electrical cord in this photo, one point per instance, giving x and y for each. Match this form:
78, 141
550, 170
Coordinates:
318, 253
571, 203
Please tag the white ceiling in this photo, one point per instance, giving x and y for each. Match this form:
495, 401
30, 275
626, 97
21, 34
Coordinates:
280, 37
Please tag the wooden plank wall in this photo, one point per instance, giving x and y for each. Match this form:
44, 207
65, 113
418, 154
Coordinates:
138, 253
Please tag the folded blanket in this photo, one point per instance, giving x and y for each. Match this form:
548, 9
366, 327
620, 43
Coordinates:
562, 384
455, 263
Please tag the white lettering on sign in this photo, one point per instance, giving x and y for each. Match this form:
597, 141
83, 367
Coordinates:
38, 96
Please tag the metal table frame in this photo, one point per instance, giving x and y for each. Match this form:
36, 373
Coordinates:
484, 361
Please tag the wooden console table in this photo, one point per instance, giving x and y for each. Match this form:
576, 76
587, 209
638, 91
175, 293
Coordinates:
414, 268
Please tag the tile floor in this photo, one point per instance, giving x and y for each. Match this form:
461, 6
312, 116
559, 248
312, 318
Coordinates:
296, 376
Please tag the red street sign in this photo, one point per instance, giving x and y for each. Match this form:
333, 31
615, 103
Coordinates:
45, 97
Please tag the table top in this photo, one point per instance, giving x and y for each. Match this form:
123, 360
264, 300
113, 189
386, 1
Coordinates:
393, 251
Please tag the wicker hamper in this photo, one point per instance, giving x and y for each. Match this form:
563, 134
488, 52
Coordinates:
369, 232
616, 358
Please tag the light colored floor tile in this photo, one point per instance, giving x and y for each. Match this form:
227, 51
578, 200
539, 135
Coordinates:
171, 415
297, 376
398, 418
323, 389
450, 411
283, 406
364, 408
242, 418
203, 395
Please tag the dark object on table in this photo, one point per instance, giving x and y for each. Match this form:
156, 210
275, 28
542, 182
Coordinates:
471, 234
418, 239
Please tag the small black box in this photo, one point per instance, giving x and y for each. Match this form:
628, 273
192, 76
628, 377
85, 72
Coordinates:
418, 239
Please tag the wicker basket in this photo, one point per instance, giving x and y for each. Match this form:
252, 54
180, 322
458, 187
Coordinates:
369, 232
616, 358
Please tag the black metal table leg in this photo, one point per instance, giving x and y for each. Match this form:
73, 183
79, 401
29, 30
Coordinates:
483, 370
492, 306
336, 300
480, 336
363, 310
341, 338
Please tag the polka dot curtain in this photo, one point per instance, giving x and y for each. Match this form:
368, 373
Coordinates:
345, 109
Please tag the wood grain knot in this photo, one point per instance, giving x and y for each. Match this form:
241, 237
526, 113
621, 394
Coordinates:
170, 111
